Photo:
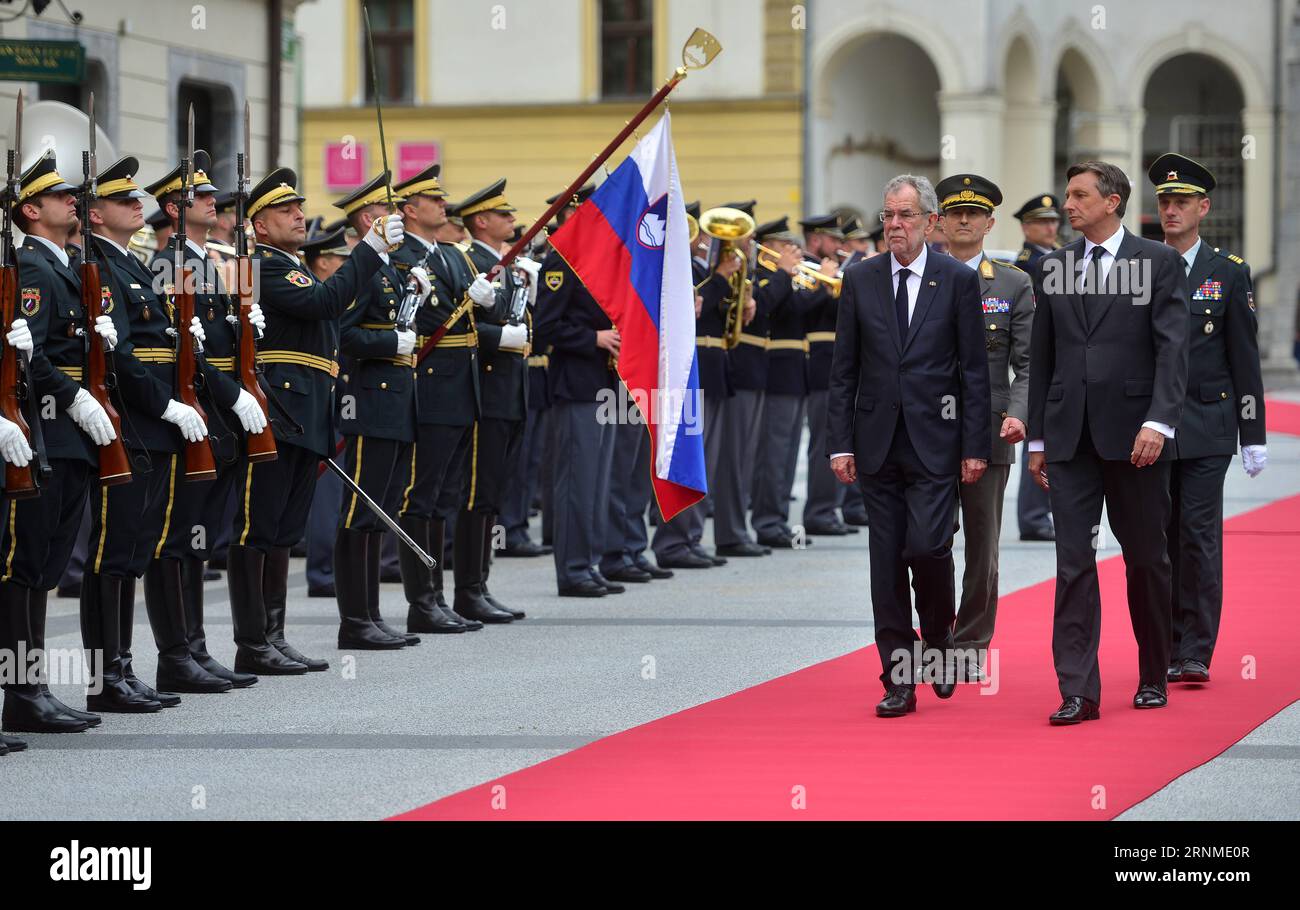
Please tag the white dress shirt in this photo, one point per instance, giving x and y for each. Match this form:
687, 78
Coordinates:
1111, 246
1189, 258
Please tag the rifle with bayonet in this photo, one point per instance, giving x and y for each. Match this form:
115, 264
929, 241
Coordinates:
261, 446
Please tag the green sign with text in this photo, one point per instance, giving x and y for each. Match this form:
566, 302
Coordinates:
42, 61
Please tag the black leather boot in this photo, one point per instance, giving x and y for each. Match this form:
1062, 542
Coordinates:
166, 699
10, 744
26, 709
192, 572
36, 609
469, 601
374, 568
101, 635
351, 574
164, 598
422, 612
437, 537
275, 594
253, 653
488, 525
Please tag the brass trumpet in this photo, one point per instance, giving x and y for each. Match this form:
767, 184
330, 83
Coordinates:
728, 227
806, 275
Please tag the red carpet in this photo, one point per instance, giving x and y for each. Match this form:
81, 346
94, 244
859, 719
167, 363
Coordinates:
812, 734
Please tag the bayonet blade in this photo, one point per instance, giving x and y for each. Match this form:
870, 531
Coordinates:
248, 152
18, 133
94, 167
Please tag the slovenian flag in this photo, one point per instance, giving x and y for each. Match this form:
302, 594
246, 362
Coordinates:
630, 245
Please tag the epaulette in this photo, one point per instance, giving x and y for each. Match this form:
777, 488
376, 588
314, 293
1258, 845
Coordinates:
463, 247
1006, 265
1023, 257
986, 269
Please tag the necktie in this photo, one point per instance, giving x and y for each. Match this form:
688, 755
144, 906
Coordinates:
900, 304
1092, 284
1187, 267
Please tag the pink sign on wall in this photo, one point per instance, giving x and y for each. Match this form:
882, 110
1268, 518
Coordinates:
413, 157
345, 165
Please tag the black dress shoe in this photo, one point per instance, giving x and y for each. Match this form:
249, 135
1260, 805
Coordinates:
1038, 535
829, 529
612, 587
1074, 710
898, 700
210, 574
1195, 672
653, 570
10, 744
854, 519
525, 550
705, 554
777, 542
1150, 697
588, 587
630, 574
1175, 672
321, 591
743, 549
687, 560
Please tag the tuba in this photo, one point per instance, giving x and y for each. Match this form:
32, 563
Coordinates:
727, 228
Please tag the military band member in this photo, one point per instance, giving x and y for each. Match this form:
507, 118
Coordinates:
128, 520
37, 534
966, 204
197, 510
503, 375
1040, 220
1225, 403
299, 352
677, 544
377, 419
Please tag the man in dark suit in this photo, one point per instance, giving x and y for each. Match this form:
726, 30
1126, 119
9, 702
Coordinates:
909, 406
1225, 399
1107, 375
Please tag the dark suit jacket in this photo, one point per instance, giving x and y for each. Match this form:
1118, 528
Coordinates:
1222, 360
1126, 365
938, 378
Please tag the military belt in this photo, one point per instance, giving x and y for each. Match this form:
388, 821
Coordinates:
788, 344
709, 341
450, 341
74, 373
757, 341
298, 358
815, 337
154, 355
224, 364
539, 360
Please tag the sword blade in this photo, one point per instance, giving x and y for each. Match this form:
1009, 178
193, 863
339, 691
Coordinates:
382, 515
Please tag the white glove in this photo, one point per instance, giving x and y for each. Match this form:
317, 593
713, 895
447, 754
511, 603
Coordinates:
386, 233
481, 291
531, 266
196, 329
514, 336
88, 414
105, 328
1254, 459
422, 281
13, 444
191, 424
249, 413
20, 337
405, 343
256, 317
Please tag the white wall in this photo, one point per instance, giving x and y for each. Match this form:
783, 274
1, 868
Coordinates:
320, 25
738, 70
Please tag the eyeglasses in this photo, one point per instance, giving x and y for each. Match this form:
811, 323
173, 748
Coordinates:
907, 215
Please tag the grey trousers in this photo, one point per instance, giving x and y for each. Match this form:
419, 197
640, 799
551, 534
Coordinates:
825, 493
981, 519
629, 497
584, 450
674, 538
517, 497
741, 419
775, 460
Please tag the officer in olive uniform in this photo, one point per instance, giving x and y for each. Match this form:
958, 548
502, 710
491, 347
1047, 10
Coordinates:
128, 519
503, 375
196, 510
786, 400
966, 204
677, 542
1225, 403
447, 405
37, 533
1040, 219
377, 419
299, 352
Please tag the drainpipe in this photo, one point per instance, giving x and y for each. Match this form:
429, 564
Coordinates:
274, 63
806, 168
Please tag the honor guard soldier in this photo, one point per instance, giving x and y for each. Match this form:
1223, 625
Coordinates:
966, 204
826, 496
1040, 220
503, 374
678, 543
299, 352
448, 397
127, 520
1225, 403
196, 511
377, 419
38, 532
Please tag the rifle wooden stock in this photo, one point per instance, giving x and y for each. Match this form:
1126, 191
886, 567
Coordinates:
261, 446
20, 483
199, 463
114, 465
